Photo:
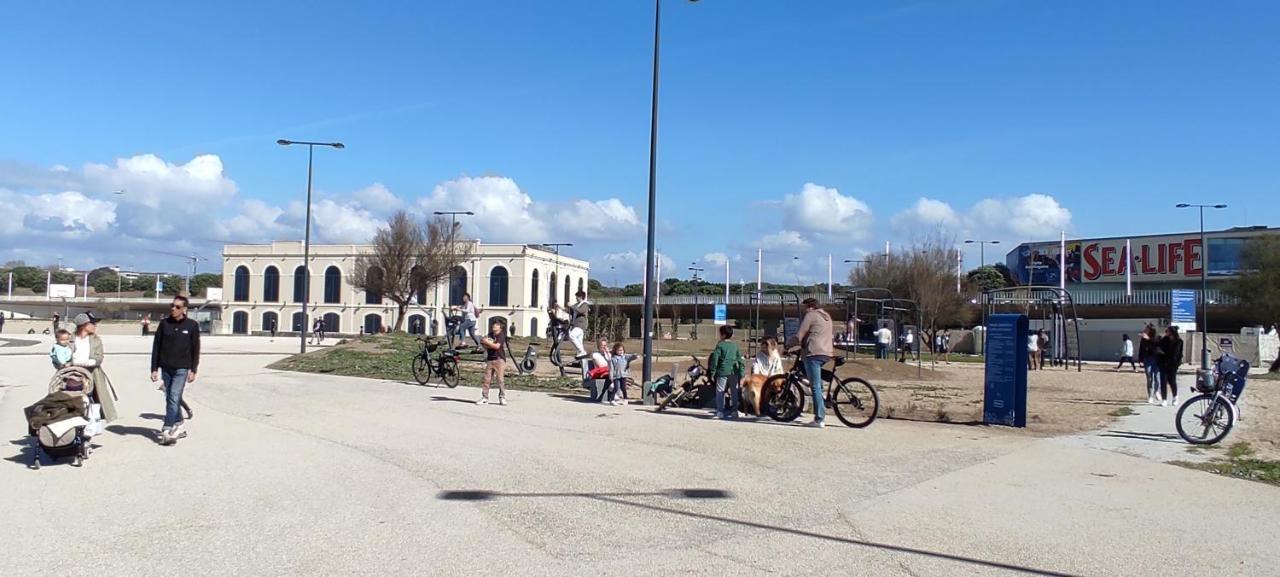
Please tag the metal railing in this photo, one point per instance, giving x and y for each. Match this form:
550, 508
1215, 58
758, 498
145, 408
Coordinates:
1144, 297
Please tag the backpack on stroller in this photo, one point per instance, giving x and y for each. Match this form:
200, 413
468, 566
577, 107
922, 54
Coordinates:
61, 424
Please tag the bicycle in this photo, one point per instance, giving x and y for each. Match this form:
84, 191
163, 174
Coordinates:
1207, 418
444, 364
854, 400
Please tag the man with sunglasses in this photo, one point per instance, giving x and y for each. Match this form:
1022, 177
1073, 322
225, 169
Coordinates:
175, 359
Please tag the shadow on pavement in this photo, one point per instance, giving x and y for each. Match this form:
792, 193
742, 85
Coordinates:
137, 431
152, 416
452, 400
23, 457
619, 499
1155, 437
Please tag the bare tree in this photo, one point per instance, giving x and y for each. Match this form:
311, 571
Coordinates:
924, 272
408, 258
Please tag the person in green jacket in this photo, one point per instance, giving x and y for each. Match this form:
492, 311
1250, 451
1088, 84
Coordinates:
725, 367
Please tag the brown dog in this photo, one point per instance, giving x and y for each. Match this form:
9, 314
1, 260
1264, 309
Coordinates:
757, 390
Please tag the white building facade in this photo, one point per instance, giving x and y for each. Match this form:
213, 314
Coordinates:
264, 284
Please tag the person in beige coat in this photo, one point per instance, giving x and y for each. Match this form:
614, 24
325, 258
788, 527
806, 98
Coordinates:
816, 336
86, 352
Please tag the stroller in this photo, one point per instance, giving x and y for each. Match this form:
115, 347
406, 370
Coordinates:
61, 424
697, 390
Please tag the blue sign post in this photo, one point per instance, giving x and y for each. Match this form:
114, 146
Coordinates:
1182, 306
722, 314
1005, 388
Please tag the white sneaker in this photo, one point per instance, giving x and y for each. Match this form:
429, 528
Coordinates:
1164, 403
816, 424
1151, 400
502, 401
164, 433
1175, 400
616, 403
179, 431
482, 401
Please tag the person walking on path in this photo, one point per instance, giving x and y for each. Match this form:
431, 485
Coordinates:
317, 330
1033, 351
725, 368
495, 363
271, 326
814, 336
470, 316
1126, 354
175, 362
1, 322
146, 324
87, 353
884, 338
1148, 351
1170, 359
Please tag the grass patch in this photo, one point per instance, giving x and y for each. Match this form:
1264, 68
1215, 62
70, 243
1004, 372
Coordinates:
1239, 463
1121, 412
389, 357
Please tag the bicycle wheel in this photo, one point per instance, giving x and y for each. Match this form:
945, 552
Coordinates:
421, 369
1205, 420
787, 405
856, 402
449, 373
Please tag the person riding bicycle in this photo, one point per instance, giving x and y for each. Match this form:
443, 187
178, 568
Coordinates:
815, 336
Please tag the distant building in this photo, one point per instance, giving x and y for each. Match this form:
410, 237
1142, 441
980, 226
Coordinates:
1149, 262
264, 283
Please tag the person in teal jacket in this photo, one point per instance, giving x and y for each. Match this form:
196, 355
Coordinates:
725, 368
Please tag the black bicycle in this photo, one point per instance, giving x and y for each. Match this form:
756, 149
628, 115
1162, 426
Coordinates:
433, 362
854, 400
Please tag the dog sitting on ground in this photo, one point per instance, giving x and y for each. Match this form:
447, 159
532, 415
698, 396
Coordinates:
758, 390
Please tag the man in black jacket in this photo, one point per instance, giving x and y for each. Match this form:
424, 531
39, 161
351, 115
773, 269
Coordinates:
175, 358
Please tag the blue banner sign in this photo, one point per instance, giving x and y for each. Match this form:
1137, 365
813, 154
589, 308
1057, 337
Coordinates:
1183, 309
722, 314
1005, 387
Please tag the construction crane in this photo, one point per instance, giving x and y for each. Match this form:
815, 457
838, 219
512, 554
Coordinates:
192, 262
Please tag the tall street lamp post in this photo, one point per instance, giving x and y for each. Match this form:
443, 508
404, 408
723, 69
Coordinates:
982, 249
695, 270
1204, 283
306, 241
453, 229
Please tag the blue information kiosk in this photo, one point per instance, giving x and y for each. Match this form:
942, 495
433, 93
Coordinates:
1005, 398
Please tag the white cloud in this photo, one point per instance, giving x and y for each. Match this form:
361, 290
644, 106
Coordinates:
1033, 215
824, 210
927, 213
608, 219
503, 212
377, 198
343, 223
784, 240
632, 263
715, 258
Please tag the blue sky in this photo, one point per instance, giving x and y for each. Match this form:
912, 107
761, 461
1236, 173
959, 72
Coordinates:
805, 128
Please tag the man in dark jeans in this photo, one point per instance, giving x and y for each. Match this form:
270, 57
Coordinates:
175, 359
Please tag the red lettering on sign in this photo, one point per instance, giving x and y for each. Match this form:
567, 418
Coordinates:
1146, 261
1109, 260
1161, 259
1091, 267
1175, 256
1195, 256
1124, 260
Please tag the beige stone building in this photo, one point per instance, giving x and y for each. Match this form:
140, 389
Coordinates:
263, 283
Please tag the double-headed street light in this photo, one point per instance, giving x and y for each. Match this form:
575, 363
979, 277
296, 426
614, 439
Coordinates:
982, 249
1204, 283
306, 241
696, 271
650, 256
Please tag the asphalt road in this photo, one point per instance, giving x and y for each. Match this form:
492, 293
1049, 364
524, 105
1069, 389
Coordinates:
289, 474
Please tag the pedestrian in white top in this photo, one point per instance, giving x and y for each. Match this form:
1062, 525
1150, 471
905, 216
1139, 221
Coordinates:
1126, 354
1033, 351
884, 339
470, 314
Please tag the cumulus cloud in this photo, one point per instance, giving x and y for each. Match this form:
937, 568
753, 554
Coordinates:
1033, 215
824, 210
716, 258
927, 213
602, 220
632, 263
377, 198
343, 223
784, 240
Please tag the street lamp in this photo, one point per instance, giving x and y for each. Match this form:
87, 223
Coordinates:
650, 255
556, 247
982, 249
453, 227
1204, 283
306, 241
695, 270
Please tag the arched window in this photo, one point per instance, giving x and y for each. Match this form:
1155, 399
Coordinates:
418, 281
271, 285
457, 285
374, 297
551, 290
498, 284
240, 323
580, 289
332, 324
270, 320
300, 285
533, 327
533, 290
332, 285
567, 286
299, 322
417, 325
372, 324
242, 284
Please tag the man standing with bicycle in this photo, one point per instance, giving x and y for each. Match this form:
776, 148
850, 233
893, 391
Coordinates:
815, 336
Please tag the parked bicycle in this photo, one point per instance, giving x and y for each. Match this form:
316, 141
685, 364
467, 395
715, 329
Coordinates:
433, 361
1207, 418
854, 400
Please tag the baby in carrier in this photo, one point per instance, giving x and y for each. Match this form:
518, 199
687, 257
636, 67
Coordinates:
60, 354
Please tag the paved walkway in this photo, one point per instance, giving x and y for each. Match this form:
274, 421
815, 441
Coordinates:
289, 474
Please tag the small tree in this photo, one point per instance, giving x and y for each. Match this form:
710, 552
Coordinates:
1258, 286
986, 278
925, 273
408, 257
